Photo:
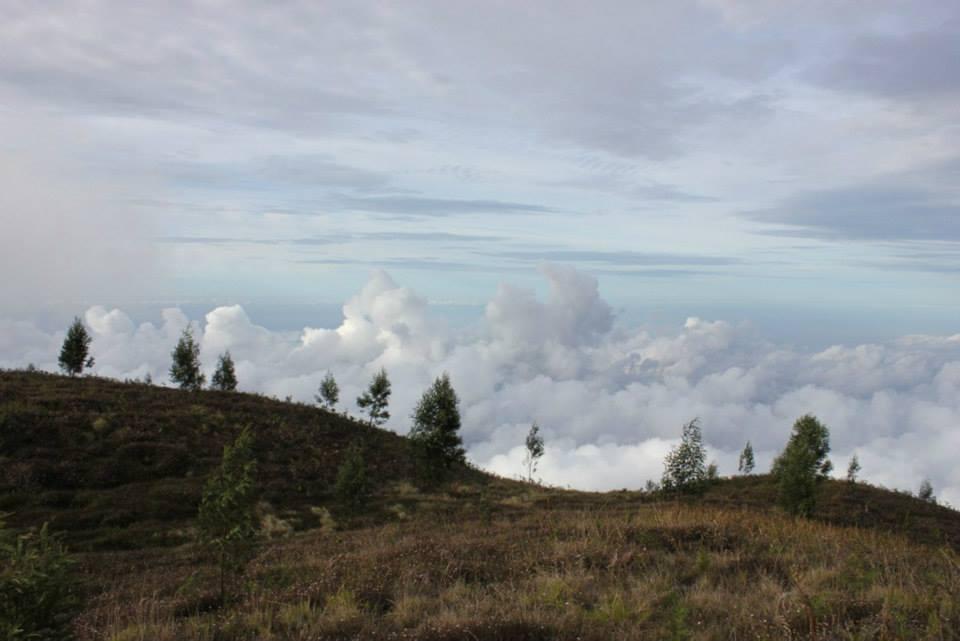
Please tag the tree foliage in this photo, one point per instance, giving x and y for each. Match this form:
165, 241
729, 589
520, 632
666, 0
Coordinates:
75, 352
185, 370
684, 468
375, 400
926, 492
39, 592
802, 464
853, 469
227, 521
746, 463
329, 394
225, 378
436, 429
352, 486
535, 449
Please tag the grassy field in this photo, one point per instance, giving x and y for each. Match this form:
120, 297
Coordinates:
118, 468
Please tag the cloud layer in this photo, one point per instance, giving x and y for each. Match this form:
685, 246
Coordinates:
610, 399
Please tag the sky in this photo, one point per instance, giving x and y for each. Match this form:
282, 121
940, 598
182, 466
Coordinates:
609, 217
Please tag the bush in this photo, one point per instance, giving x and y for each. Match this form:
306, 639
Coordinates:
39, 595
684, 468
436, 431
352, 486
802, 465
227, 520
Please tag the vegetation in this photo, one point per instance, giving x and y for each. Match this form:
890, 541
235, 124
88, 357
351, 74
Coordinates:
375, 400
225, 377
746, 463
436, 430
535, 449
329, 394
853, 469
39, 593
75, 352
684, 469
185, 370
121, 470
227, 520
802, 465
352, 487
926, 492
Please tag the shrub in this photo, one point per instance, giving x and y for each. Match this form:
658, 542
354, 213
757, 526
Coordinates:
535, 449
185, 370
74, 354
39, 594
352, 486
376, 398
684, 469
436, 430
802, 464
329, 394
227, 520
225, 378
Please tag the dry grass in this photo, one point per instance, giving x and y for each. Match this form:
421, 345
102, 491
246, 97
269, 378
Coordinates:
660, 572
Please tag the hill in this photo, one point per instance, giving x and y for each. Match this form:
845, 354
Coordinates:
119, 467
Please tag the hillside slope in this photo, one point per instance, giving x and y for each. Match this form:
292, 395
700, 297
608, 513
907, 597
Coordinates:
119, 468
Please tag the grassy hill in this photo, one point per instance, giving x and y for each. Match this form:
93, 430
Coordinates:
118, 468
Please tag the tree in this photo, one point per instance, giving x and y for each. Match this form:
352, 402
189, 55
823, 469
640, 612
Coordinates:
227, 520
436, 429
853, 469
225, 378
376, 398
39, 592
185, 370
329, 394
684, 469
352, 486
926, 492
75, 352
746, 459
802, 465
534, 443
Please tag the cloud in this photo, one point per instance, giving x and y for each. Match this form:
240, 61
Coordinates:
610, 398
898, 65
69, 231
871, 212
617, 258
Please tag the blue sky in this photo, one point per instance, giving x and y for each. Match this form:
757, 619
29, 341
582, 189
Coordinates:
723, 155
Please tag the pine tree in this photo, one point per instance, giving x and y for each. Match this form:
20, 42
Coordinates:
746, 459
185, 370
376, 398
75, 352
926, 492
436, 429
227, 521
684, 469
225, 378
802, 465
329, 394
853, 469
535, 449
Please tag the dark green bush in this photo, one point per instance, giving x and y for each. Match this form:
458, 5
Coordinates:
39, 595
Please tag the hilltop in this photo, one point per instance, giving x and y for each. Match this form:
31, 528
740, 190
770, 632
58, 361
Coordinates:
119, 468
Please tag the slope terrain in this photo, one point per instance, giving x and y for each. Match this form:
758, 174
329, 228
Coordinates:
118, 468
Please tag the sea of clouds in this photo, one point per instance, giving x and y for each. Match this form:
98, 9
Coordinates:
610, 399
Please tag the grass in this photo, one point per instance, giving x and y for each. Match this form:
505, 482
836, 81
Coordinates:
119, 469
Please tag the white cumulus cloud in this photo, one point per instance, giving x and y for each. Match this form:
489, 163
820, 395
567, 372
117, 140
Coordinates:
610, 398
